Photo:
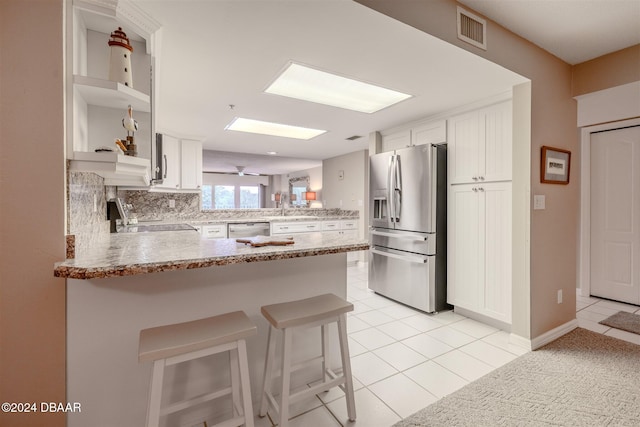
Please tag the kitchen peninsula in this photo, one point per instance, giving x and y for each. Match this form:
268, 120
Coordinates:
133, 281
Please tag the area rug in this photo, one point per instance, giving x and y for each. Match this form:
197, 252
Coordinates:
580, 379
622, 320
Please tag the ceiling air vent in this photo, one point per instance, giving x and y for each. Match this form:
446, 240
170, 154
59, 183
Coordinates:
353, 138
472, 29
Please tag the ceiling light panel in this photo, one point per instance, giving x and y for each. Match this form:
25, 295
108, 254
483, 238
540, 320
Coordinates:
273, 129
308, 84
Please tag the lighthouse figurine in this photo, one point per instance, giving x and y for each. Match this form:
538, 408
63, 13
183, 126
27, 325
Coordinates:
120, 58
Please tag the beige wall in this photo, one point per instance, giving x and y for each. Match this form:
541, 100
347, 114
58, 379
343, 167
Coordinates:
32, 194
614, 69
553, 232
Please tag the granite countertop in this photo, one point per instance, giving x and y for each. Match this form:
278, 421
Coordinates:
275, 218
290, 218
125, 254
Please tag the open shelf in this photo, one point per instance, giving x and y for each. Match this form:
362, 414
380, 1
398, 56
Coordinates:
106, 93
116, 169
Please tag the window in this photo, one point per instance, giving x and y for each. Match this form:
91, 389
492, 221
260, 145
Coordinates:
207, 197
224, 197
249, 197
230, 197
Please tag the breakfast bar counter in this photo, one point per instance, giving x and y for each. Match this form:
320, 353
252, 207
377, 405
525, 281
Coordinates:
134, 281
125, 254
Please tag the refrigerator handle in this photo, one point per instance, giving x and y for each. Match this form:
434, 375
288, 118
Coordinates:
397, 189
390, 186
409, 258
403, 236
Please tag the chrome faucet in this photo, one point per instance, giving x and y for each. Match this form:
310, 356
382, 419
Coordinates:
283, 199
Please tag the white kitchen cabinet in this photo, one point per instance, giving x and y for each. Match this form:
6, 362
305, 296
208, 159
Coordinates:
212, 231
480, 145
295, 227
215, 231
95, 104
419, 133
479, 249
170, 163
331, 226
339, 227
181, 164
393, 141
349, 228
191, 164
429, 133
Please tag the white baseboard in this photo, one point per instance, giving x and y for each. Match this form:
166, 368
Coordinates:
520, 341
554, 334
482, 318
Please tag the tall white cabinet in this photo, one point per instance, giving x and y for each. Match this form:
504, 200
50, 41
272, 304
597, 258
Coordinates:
479, 218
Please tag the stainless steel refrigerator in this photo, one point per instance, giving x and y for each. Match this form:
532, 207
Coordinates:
408, 225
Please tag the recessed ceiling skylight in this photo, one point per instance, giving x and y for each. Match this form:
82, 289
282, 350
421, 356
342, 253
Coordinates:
273, 129
308, 84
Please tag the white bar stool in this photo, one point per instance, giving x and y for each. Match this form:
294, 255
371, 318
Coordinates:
305, 313
181, 342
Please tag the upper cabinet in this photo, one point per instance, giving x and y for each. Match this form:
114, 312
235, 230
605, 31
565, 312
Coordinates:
191, 164
480, 145
181, 164
98, 100
419, 133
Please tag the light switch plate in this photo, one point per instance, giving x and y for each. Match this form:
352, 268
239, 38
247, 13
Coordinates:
538, 202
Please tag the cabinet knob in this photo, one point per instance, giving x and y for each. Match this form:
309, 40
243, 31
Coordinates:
482, 178
475, 178
480, 189
474, 189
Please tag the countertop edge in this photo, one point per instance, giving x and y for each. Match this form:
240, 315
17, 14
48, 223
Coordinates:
84, 273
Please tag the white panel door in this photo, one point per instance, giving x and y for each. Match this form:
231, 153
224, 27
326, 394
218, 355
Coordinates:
396, 140
466, 148
171, 162
615, 214
429, 133
191, 164
497, 143
496, 301
465, 267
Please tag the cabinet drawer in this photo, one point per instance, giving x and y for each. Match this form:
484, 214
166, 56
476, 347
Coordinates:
330, 225
349, 225
295, 227
218, 231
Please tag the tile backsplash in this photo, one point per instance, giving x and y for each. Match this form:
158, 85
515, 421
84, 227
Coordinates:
86, 208
155, 206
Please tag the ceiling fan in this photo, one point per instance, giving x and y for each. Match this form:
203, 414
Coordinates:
241, 171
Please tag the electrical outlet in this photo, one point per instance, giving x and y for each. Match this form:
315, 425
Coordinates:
172, 203
559, 296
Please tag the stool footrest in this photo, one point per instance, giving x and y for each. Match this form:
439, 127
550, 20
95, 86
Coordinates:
233, 422
274, 403
184, 404
318, 388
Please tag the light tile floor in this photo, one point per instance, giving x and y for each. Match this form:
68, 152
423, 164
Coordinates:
403, 360
591, 310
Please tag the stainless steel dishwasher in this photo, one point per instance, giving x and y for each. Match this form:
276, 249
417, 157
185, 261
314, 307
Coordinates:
248, 229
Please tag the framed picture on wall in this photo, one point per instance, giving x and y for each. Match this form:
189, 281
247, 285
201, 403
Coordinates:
554, 165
